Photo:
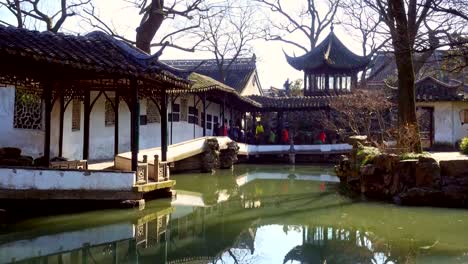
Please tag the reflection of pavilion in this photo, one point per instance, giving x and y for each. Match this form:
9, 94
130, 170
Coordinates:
332, 245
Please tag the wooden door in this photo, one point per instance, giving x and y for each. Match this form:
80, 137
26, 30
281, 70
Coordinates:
425, 117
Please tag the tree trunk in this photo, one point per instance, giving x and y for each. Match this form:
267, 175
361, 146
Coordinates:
148, 28
404, 61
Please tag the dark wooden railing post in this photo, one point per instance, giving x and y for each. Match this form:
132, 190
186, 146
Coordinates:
163, 124
204, 113
116, 123
135, 123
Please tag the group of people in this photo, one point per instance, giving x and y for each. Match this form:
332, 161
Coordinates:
232, 131
269, 136
259, 135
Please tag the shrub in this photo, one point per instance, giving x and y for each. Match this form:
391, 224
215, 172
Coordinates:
464, 146
412, 155
367, 154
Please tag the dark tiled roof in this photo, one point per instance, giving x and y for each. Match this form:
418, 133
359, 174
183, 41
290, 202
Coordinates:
95, 52
429, 89
330, 55
292, 103
383, 66
237, 75
203, 83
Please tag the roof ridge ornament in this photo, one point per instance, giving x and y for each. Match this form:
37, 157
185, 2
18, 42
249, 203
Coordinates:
332, 26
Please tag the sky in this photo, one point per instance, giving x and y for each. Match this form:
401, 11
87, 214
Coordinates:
271, 62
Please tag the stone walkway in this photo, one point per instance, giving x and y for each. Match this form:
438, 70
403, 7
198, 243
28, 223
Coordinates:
448, 156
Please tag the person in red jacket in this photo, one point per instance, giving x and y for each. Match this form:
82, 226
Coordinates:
323, 137
285, 136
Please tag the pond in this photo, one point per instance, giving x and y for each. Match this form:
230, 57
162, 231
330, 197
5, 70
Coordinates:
252, 214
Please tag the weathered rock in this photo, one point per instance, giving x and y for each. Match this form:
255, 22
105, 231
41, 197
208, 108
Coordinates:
10, 153
454, 168
210, 156
343, 169
228, 156
41, 162
427, 173
354, 140
58, 159
420, 196
386, 162
406, 170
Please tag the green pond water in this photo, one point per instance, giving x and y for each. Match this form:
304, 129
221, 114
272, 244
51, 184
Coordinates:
252, 214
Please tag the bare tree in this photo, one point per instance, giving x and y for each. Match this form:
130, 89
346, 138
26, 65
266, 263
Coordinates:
366, 112
42, 11
310, 22
404, 20
228, 32
153, 13
368, 26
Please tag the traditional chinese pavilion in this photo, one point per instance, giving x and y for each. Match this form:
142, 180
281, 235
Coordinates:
329, 68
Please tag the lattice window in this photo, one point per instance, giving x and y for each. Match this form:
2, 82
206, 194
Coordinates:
193, 115
174, 116
28, 110
76, 115
152, 112
109, 112
209, 121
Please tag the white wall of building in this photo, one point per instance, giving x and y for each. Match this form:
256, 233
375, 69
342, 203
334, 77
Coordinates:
40, 179
101, 136
252, 87
447, 123
29, 140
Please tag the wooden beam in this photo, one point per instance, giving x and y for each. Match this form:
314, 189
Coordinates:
48, 111
135, 123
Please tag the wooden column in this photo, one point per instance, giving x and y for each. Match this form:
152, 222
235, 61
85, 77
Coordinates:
327, 83
48, 110
62, 114
280, 124
135, 123
223, 110
204, 113
87, 112
116, 123
172, 115
305, 82
353, 81
335, 83
163, 104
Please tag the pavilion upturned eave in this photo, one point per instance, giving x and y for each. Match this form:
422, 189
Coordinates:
331, 54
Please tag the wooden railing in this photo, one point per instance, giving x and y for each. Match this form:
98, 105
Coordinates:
160, 171
72, 164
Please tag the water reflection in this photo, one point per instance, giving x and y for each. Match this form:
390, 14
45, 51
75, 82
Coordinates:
250, 215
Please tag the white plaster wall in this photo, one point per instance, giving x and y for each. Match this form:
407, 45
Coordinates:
447, 123
101, 136
30, 141
253, 86
25, 179
460, 131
